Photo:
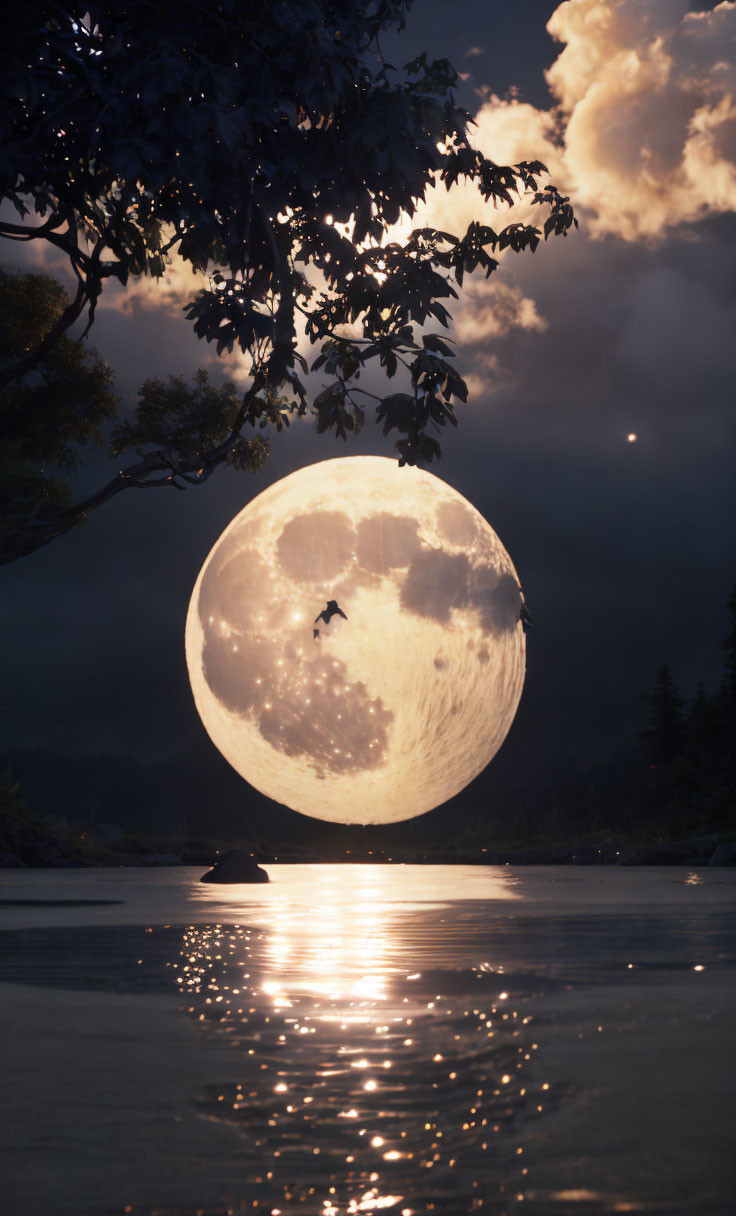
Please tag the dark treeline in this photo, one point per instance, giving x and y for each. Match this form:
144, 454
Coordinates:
690, 746
676, 781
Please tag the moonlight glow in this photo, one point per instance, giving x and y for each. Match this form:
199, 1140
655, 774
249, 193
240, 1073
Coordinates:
392, 711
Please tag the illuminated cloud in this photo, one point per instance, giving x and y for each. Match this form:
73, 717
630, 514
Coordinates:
168, 294
646, 91
491, 309
643, 135
506, 131
646, 114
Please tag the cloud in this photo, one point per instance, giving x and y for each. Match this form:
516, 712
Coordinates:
484, 377
491, 309
510, 130
645, 93
642, 135
710, 153
506, 131
473, 51
637, 305
170, 293
487, 309
643, 130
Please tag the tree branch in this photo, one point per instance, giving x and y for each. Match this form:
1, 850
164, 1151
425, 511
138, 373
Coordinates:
283, 326
90, 271
21, 230
70, 314
37, 532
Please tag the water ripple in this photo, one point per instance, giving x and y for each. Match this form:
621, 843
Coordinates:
358, 1095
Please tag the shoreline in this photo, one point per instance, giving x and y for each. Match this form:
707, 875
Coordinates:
698, 852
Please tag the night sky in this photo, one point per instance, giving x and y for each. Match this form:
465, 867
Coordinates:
625, 550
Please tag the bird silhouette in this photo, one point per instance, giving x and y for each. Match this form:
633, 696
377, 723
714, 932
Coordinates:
525, 615
326, 615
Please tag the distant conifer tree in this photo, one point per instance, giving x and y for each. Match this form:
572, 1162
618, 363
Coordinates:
729, 645
726, 701
665, 734
700, 720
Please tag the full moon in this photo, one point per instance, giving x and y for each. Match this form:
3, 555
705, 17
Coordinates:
387, 710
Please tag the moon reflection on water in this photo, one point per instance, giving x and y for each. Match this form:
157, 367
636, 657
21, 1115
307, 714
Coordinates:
362, 1082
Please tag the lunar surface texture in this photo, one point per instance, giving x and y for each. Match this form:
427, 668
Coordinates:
386, 711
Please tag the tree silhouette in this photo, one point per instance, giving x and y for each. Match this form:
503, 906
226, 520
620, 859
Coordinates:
726, 701
48, 414
664, 735
692, 748
274, 148
728, 692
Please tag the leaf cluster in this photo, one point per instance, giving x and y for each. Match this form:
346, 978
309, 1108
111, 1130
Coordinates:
273, 146
65, 403
188, 422
53, 411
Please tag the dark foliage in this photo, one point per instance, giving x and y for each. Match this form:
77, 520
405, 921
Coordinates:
60, 405
664, 736
50, 411
691, 750
273, 147
728, 691
189, 421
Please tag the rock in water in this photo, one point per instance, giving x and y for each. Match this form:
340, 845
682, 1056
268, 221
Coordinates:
237, 865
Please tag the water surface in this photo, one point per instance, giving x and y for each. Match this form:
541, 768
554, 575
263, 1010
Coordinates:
369, 1038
